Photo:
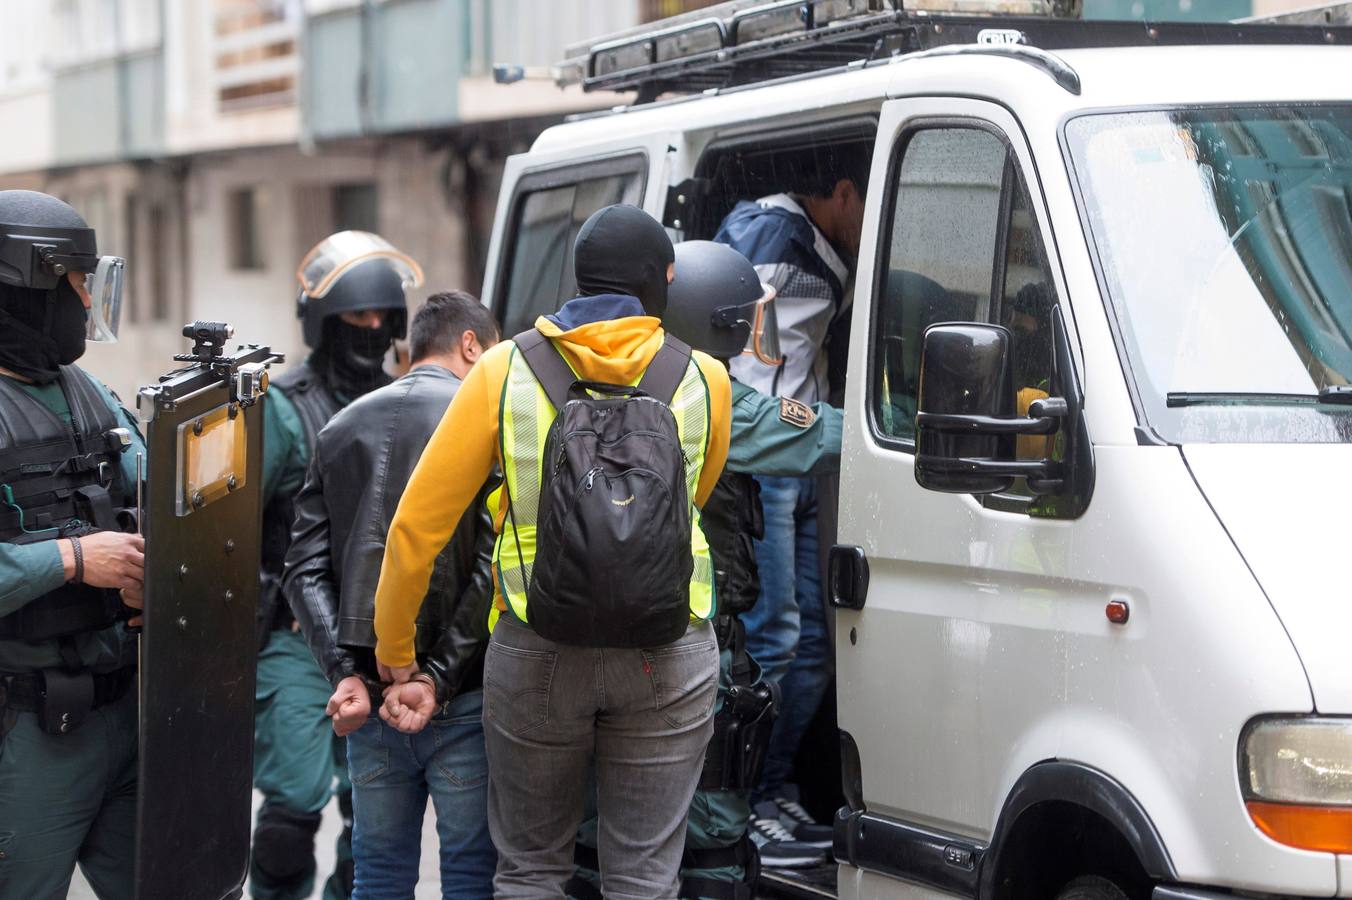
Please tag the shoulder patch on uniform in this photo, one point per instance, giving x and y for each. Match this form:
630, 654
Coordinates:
795, 413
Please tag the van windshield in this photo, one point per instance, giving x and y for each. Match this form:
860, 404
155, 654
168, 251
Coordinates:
1224, 237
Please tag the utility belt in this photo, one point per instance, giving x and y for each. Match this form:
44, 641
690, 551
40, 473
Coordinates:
63, 699
743, 854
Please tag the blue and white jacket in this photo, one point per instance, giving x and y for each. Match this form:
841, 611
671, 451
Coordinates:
797, 260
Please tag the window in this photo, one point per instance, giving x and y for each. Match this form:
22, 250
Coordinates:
159, 262
539, 268
1223, 238
255, 59
1026, 301
354, 208
246, 250
963, 246
132, 299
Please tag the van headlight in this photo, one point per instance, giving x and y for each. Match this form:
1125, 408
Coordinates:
1297, 780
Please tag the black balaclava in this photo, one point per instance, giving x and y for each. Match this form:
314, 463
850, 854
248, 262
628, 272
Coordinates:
623, 250
41, 330
351, 359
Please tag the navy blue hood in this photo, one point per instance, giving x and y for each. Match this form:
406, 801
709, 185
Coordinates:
602, 307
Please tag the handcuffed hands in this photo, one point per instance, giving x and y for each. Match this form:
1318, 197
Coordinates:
349, 706
396, 674
408, 707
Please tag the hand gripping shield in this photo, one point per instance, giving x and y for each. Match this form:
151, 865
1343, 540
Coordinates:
202, 522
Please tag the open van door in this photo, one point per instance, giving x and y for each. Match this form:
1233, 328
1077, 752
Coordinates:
544, 200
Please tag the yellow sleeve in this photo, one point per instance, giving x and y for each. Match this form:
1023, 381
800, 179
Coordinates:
452, 469
720, 424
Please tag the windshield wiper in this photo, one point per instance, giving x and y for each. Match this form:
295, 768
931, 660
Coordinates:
1338, 394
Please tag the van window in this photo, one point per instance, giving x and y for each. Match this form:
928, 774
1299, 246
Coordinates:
1025, 308
962, 246
940, 259
549, 210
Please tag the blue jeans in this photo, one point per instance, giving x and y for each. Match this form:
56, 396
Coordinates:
786, 629
392, 776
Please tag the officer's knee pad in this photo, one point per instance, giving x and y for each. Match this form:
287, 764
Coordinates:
284, 841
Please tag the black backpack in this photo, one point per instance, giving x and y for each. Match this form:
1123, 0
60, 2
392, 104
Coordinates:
613, 562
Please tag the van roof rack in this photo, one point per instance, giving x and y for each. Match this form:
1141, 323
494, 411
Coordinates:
743, 42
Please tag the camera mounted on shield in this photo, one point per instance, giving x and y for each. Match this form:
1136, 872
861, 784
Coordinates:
246, 373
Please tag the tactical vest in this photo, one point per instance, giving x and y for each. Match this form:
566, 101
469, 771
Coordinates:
526, 415
315, 404
59, 480
733, 521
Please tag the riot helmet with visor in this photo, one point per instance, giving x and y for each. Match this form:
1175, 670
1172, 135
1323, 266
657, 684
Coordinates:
717, 303
352, 271
45, 242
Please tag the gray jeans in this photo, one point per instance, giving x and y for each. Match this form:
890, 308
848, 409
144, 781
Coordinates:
554, 715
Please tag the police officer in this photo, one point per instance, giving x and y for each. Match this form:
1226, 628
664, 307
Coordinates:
70, 563
718, 304
352, 309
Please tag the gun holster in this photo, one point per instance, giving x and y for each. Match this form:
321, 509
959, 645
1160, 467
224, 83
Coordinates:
741, 739
65, 701
95, 505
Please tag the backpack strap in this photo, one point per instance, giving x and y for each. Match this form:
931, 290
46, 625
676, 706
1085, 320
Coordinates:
663, 375
660, 380
547, 364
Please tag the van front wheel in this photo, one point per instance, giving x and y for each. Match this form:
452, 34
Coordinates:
1091, 887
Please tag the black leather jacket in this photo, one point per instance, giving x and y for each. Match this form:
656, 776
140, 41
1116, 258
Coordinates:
362, 461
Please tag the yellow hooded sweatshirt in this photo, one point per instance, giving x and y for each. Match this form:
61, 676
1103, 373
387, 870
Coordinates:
464, 448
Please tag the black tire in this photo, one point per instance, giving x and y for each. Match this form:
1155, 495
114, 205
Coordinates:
1092, 887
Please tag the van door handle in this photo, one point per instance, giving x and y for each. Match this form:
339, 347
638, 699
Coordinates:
847, 571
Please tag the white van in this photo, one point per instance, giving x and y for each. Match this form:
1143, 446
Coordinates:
1090, 637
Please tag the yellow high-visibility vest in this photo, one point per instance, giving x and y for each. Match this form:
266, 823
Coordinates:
526, 416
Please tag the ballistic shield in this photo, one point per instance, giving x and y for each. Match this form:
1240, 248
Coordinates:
202, 523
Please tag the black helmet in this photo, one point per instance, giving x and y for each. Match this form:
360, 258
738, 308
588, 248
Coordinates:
718, 304
42, 240
350, 271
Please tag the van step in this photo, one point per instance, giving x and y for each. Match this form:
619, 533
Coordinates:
812, 884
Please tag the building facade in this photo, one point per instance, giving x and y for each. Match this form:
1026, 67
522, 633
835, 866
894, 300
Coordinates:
213, 142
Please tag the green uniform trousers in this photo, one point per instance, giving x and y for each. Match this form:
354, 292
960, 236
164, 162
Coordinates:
297, 757
717, 818
67, 799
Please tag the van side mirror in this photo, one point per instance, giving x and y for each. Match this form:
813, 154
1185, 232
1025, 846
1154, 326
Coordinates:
966, 427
